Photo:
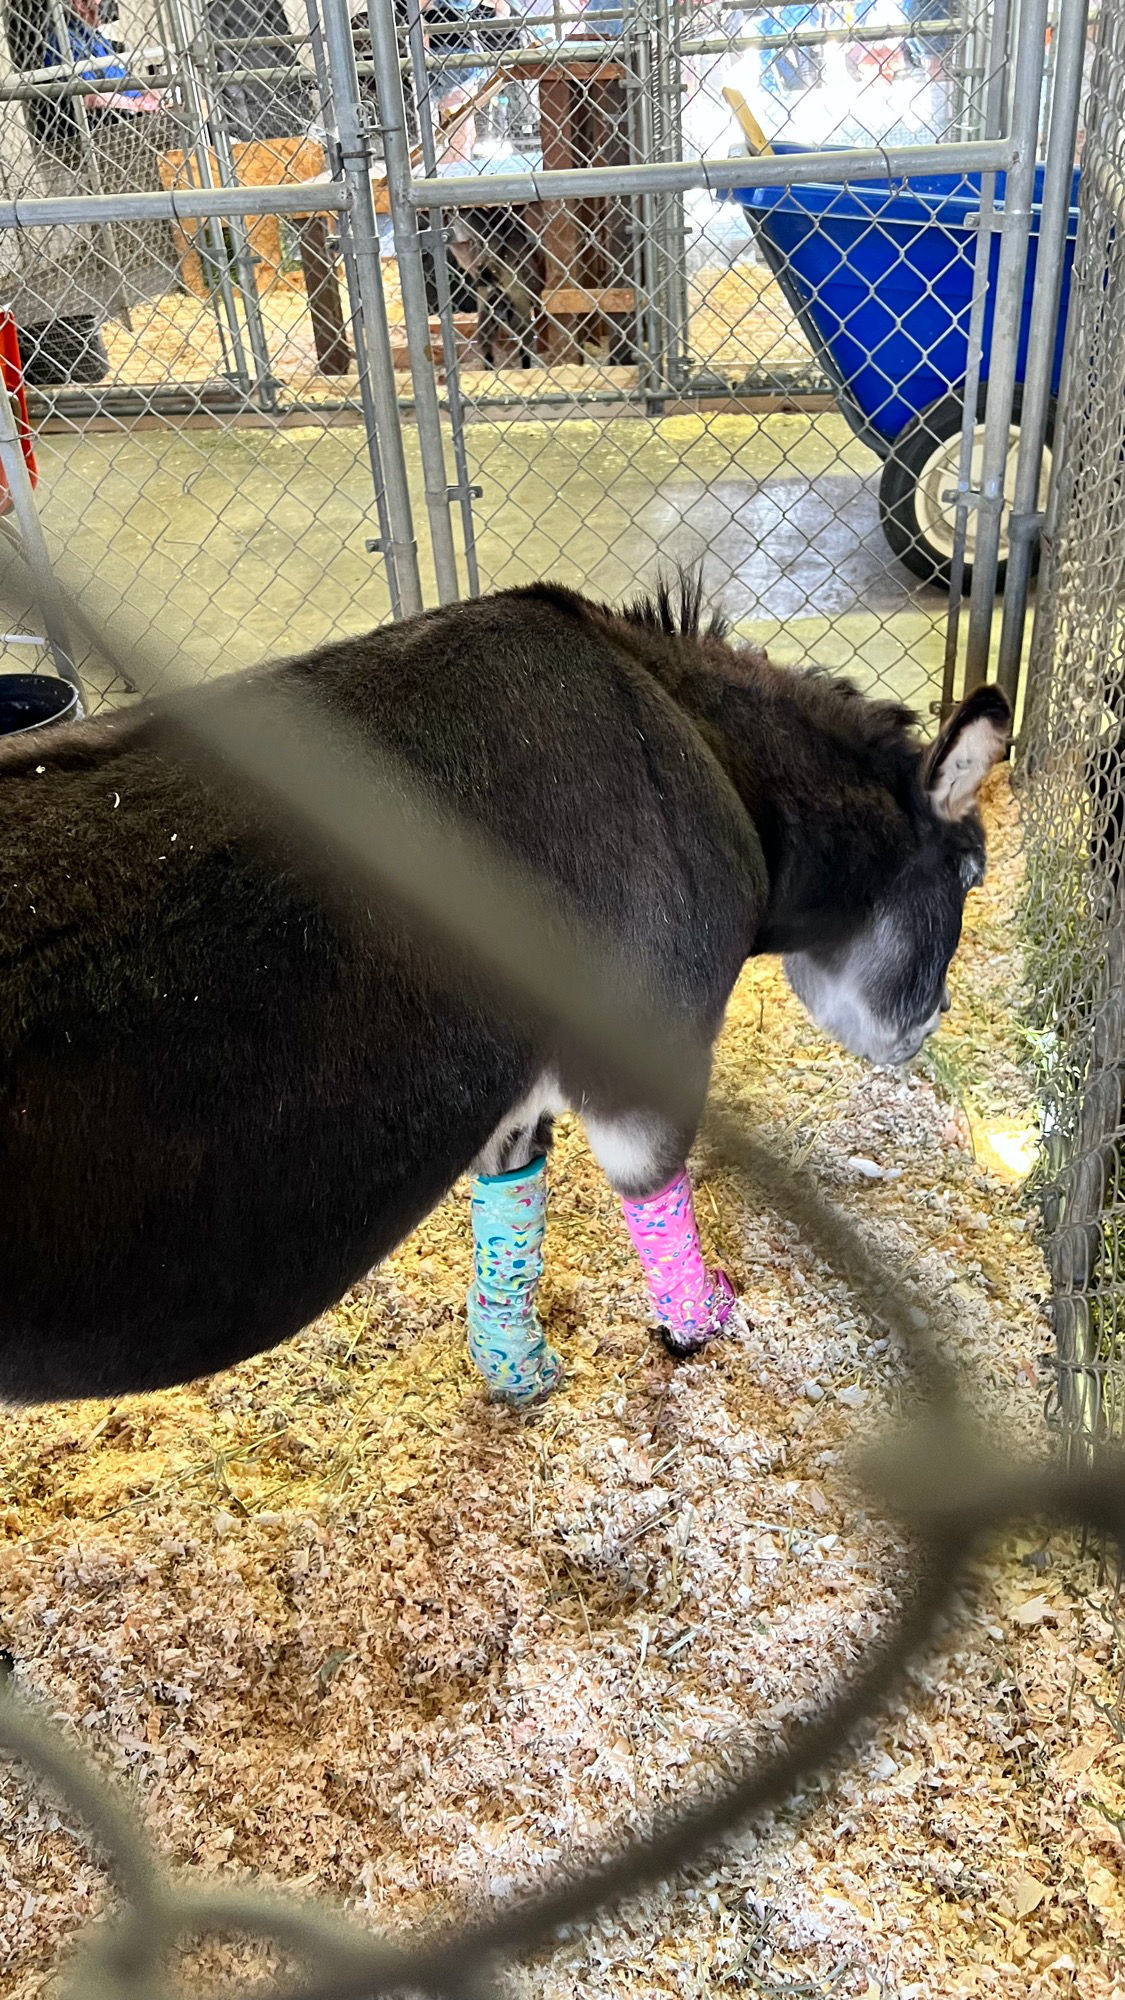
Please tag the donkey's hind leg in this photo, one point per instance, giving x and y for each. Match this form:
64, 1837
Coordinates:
509, 1210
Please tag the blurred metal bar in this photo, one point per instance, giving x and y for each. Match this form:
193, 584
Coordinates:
412, 279
1019, 191
1025, 523
719, 176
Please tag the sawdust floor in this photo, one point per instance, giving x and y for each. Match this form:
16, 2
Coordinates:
333, 1619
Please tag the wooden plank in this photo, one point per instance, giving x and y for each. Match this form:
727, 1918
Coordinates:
567, 301
582, 72
752, 131
257, 163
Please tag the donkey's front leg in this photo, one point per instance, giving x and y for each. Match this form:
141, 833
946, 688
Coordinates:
644, 1161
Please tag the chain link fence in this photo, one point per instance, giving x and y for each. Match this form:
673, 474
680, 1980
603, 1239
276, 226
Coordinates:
665, 363
167, 361
1075, 816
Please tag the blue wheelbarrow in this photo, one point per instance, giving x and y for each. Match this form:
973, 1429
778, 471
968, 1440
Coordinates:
880, 276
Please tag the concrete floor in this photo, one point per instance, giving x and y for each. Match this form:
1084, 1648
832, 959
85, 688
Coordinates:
230, 547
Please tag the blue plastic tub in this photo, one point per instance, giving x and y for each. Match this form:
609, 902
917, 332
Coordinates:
880, 276
31, 701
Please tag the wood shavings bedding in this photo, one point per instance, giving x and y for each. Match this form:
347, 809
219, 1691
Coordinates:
337, 1622
738, 318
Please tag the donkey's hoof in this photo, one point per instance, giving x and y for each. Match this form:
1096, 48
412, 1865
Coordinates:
682, 1346
528, 1395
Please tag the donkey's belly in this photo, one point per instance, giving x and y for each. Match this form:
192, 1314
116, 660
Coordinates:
152, 1233
198, 1285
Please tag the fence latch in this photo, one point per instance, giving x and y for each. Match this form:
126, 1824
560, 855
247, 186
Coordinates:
987, 503
464, 492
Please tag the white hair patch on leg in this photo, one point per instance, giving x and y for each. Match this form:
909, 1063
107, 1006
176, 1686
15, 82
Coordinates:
515, 1142
632, 1152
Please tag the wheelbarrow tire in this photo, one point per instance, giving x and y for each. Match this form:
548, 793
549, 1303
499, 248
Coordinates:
911, 453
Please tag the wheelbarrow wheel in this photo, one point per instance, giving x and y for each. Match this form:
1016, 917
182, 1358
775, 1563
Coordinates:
915, 512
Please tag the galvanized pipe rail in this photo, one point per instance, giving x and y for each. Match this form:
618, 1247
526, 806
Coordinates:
34, 87
719, 176
173, 204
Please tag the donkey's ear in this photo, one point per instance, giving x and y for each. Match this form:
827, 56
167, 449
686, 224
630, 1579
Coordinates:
973, 740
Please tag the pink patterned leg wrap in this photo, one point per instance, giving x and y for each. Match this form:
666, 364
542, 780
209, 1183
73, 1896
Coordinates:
691, 1302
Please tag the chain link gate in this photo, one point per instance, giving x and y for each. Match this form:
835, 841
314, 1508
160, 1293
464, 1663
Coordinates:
1074, 808
636, 352
616, 344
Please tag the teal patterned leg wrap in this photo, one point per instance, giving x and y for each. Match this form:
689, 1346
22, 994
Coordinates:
505, 1337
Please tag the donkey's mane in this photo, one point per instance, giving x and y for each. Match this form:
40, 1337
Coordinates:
837, 705
675, 607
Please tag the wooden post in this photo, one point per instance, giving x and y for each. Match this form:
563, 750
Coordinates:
322, 287
586, 243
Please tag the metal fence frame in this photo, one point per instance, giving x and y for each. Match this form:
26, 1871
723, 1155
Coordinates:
1072, 776
654, 49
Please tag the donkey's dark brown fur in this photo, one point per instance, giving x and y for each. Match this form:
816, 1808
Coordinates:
222, 1099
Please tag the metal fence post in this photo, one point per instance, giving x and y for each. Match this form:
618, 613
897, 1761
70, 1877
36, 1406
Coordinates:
650, 327
238, 229
994, 124
1026, 521
361, 226
351, 276
209, 245
415, 307
1015, 231
466, 491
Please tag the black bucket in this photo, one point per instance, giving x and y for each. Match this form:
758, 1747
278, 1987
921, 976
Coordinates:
30, 701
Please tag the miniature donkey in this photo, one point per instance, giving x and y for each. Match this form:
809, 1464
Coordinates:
224, 1095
